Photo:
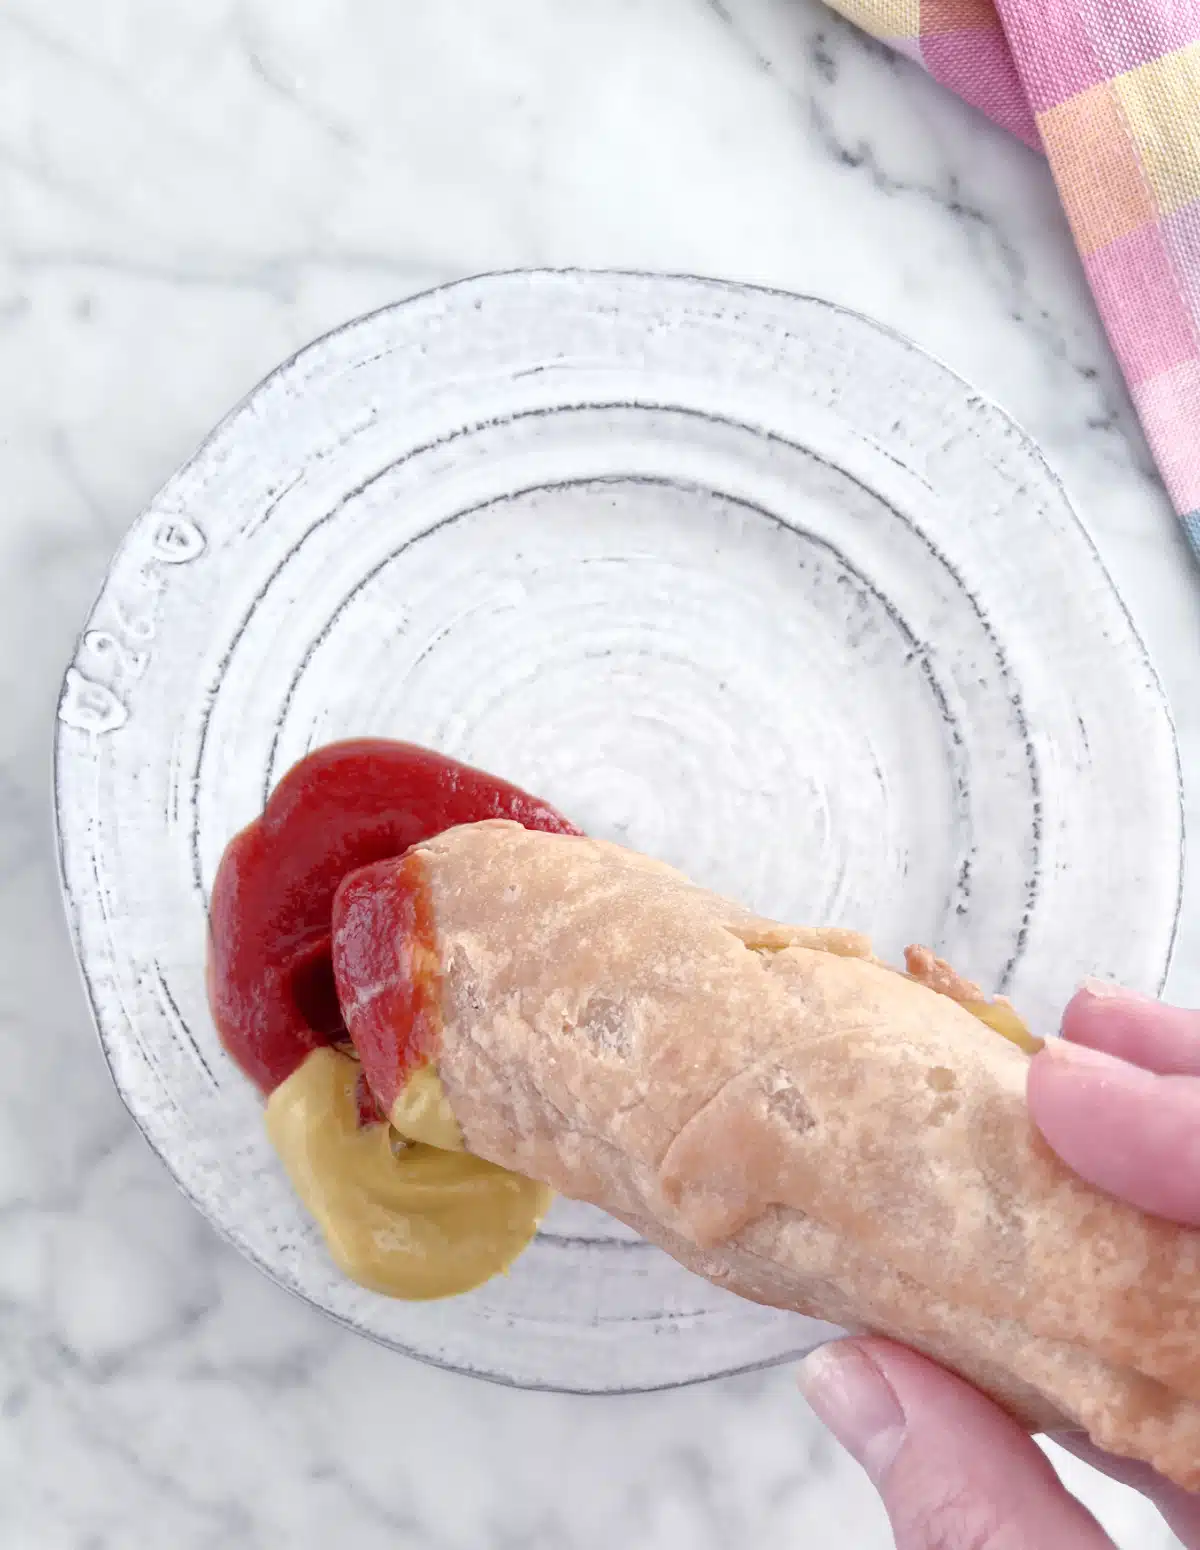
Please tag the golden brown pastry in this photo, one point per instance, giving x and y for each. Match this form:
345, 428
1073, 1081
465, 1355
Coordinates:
778, 1110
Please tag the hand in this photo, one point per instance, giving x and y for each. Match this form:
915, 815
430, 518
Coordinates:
955, 1472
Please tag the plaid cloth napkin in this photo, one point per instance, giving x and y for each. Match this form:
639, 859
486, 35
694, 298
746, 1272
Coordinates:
1110, 90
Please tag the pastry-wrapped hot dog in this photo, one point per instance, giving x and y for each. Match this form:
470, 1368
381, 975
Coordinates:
402, 1208
784, 1114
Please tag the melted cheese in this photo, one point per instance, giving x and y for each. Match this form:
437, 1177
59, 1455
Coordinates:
1000, 1017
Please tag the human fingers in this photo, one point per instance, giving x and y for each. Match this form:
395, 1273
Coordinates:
1164, 1039
1131, 1133
954, 1471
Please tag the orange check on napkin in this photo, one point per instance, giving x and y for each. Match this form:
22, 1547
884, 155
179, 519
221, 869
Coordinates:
1110, 90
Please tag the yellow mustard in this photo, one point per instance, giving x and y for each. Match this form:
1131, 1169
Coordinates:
1002, 1018
404, 1210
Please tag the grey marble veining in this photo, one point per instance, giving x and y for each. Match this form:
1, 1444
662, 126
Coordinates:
189, 193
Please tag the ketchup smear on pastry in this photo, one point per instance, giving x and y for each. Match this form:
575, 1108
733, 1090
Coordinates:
346, 806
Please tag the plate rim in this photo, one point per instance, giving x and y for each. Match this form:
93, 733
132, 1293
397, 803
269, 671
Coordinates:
584, 275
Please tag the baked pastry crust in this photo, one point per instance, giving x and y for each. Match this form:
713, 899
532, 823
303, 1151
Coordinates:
795, 1121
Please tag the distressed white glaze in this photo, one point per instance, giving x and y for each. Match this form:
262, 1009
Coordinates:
737, 578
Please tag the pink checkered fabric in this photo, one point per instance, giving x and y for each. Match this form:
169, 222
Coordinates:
1110, 90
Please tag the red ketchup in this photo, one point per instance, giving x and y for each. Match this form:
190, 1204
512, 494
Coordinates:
384, 936
270, 979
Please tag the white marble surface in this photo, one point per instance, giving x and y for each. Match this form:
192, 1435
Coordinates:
188, 193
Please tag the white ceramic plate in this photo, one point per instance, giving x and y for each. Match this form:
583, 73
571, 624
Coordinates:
735, 577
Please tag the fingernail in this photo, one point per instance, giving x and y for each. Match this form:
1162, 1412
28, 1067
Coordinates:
1083, 1055
856, 1402
1107, 990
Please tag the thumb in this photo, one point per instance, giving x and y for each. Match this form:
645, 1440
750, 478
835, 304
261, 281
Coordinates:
954, 1471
